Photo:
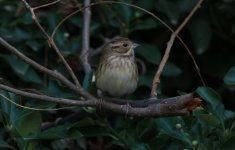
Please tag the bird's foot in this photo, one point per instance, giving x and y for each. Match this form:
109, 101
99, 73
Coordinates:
128, 106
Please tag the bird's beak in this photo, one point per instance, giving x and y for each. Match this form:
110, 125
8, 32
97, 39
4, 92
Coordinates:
135, 45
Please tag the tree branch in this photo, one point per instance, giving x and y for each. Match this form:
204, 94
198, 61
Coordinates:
86, 37
51, 41
156, 79
166, 107
47, 98
41, 68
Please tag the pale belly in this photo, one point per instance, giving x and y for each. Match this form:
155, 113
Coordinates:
118, 81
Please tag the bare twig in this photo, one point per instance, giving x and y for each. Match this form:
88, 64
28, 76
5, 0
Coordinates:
156, 79
123, 24
86, 37
41, 68
194, 61
32, 108
139, 8
47, 98
72, 118
45, 77
46, 5
51, 41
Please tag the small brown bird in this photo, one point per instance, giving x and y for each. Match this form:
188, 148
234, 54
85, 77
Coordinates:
117, 73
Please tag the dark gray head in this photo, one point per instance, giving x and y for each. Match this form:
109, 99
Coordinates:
120, 46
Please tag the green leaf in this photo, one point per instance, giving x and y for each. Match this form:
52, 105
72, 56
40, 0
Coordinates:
146, 79
55, 90
146, 24
148, 6
166, 125
124, 12
83, 123
151, 53
214, 100
229, 78
34, 45
59, 132
232, 126
87, 80
201, 34
31, 76
16, 64
171, 70
202, 146
5, 105
175, 9
229, 144
27, 19
22, 69
4, 145
26, 122
207, 118
20, 35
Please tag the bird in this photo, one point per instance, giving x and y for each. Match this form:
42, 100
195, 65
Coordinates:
117, 72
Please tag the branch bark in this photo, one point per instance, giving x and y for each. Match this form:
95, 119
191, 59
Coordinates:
156, 79
86, 37
166, 107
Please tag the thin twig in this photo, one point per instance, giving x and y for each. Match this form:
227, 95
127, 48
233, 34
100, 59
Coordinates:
51, 73
32, 108
46, 5
139, 8
156, 79
71, 118
86, 37
47, 98
51, 41
45, 77
123, 24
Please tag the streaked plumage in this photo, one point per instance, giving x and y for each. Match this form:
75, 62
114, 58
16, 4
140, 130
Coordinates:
117, 73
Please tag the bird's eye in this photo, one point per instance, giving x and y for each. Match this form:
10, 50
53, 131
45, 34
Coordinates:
124, 45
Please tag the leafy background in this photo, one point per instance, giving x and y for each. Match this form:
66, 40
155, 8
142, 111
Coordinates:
210, 35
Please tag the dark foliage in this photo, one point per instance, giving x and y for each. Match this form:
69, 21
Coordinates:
210, 35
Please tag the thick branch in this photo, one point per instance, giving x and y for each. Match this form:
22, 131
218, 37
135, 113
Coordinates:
156, 79
166, 107
86, 37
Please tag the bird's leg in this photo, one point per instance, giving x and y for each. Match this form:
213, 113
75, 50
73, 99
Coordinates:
127, 106
100, 99
99, 93
100, 102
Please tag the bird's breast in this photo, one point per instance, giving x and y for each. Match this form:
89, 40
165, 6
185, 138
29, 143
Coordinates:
118, 76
